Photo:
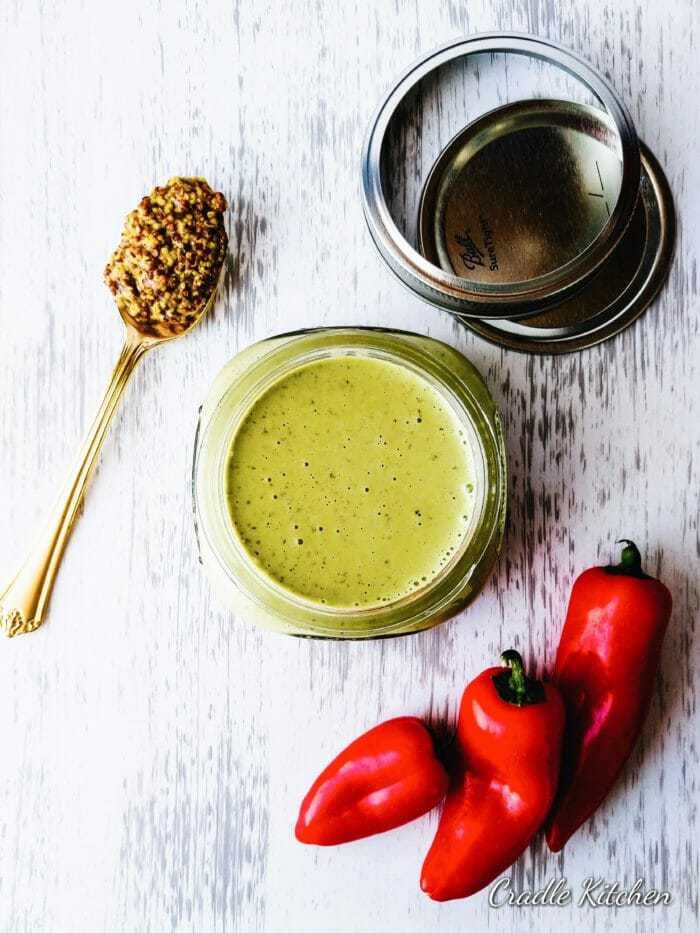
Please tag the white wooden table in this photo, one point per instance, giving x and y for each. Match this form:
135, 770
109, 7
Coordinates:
154, 749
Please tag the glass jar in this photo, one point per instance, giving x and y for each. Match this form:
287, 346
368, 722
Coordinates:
252, 593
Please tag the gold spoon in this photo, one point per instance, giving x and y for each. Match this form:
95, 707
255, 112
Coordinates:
24, 602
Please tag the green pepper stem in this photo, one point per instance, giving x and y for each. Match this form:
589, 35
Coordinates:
630, 558
630, 562
513, 685
516, 681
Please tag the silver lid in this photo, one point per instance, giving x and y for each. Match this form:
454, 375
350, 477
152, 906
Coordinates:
528, 287
615, 295
521, 192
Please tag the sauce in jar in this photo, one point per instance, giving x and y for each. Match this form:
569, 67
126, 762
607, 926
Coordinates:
350, 483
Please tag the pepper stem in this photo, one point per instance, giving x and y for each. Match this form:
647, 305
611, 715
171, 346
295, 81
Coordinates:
630, 562
516, 681
513, 685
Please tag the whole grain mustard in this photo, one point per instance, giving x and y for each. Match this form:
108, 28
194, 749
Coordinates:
167, 264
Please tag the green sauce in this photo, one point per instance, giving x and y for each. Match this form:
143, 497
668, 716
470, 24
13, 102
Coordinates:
349, 482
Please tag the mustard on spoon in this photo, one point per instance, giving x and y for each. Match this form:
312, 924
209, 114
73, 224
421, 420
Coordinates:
163, 276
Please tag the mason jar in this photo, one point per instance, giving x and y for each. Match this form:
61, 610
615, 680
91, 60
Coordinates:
243, 580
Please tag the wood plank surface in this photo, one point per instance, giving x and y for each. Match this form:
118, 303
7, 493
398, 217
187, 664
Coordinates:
153, 748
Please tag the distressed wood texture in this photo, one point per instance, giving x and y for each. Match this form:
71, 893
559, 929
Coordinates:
154, 749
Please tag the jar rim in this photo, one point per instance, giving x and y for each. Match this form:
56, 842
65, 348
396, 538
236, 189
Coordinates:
494, 300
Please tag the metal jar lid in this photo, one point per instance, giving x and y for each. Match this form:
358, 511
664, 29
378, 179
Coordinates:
531, 286
487, 181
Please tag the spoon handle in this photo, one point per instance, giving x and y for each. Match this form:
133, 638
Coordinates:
24, 602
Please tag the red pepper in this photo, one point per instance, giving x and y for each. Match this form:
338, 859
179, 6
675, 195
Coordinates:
605, 668
385, 778
509, 743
